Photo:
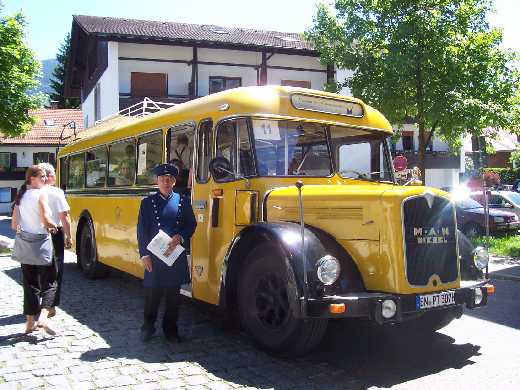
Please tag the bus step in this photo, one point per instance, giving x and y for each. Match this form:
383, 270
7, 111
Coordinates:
186, 290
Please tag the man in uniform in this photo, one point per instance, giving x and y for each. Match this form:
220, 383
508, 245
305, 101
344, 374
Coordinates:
171, 213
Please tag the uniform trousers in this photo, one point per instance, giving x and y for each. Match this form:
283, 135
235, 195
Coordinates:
152, 300
58, 241
39, 281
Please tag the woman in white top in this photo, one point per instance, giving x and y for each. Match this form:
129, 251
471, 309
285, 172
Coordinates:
31, 216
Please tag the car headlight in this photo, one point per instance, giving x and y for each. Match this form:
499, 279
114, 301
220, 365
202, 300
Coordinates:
498, 219
328, 269
480, 257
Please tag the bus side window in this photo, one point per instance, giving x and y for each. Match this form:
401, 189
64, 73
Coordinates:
204, 142
121, 164
63, 173
76, 171
96, 167
149, 152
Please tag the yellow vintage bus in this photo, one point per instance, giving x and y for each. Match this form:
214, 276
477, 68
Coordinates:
300, 220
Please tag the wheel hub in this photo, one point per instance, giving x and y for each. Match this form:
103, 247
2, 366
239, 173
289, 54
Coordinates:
271, 301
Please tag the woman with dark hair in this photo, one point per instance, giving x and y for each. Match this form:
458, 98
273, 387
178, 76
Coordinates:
33, 248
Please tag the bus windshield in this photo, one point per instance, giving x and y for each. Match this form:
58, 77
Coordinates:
289, 148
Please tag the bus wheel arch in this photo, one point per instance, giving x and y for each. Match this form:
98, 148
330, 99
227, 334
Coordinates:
86, 249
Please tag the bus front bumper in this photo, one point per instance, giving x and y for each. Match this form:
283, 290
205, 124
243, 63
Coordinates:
375, 306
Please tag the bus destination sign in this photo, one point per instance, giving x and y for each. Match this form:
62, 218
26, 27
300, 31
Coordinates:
326, 105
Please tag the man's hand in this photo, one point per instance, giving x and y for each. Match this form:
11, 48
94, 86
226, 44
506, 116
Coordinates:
68, 242
52, 228
147, 263
175, 240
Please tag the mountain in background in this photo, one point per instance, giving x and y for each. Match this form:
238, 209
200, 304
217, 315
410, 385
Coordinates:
47, 69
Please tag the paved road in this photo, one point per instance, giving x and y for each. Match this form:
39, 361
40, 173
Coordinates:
98, 347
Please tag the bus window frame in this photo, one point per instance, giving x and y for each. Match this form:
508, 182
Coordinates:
236, 144
106, 168
212, 149
157, 130
327, 140
169, 139
83, 152
109, 145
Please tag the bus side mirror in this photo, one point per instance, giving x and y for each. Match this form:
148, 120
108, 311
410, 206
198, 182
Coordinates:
221, 169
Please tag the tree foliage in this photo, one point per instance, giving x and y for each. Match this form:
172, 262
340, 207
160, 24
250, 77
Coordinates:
19, 73
436, 62
57, 82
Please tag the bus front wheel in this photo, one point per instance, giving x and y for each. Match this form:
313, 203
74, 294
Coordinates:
87, 256
264, 305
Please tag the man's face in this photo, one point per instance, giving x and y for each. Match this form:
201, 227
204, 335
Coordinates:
165, 183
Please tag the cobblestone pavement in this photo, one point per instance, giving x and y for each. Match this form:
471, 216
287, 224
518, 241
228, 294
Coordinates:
98, 345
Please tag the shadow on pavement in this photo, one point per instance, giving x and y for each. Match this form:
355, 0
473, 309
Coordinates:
104, 316
503, 307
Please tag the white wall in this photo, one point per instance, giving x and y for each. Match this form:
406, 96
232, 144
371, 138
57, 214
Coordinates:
341, 76
438, 145
24, 154
109, 90
441, 177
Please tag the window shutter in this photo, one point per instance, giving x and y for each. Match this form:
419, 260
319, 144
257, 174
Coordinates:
14, 161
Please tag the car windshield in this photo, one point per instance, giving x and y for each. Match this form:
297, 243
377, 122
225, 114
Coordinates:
513, 197
468, 203
290, 148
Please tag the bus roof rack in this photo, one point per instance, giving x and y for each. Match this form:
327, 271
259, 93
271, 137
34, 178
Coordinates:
140, 109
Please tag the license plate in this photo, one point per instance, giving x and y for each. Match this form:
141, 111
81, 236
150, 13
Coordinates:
444, 298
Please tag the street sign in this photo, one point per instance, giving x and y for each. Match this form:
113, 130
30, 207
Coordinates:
400, 163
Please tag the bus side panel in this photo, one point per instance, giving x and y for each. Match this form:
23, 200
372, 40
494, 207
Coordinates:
114, 220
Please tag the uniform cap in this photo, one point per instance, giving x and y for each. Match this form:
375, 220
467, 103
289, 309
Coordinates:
165, 169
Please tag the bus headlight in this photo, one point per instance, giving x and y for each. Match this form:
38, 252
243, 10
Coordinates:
480, 257
328, 269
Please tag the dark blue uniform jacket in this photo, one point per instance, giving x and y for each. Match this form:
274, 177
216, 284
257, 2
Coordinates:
174, 216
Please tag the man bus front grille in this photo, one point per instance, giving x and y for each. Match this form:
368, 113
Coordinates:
430, 240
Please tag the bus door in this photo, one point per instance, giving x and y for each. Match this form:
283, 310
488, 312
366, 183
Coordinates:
215, 204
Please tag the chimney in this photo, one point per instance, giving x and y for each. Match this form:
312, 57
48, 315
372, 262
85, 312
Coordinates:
54, 104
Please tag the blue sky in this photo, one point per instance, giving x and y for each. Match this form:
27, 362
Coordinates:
50, 20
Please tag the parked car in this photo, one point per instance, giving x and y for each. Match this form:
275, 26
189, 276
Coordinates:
503, 200
471, 219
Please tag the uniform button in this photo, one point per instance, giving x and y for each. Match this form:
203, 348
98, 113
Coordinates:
159, 224
156, 217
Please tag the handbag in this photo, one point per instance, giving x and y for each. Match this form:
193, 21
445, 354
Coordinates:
32, 248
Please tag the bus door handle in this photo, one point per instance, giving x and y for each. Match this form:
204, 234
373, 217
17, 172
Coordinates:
215, 205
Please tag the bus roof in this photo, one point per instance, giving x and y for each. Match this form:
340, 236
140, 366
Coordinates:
267, 101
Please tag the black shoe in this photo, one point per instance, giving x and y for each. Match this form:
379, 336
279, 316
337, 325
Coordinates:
147, 334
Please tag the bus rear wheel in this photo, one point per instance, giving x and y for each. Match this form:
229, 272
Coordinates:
264, 305
87, 256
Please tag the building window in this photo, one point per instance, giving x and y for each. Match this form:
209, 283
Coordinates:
297, 83
148, 84
121, 166
5, 195
5, 162
97, 103
149, 152
96, 167
43, 157
218, 83
407, 138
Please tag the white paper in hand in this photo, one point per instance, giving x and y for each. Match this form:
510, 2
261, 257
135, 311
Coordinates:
159, 246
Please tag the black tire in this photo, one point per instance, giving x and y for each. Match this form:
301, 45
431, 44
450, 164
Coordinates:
87, 255
264, 305
472, 230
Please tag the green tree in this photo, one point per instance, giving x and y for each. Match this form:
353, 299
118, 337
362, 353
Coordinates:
436, 62
57, 82
19, 73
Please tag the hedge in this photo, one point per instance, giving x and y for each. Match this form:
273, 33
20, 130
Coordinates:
507, 175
